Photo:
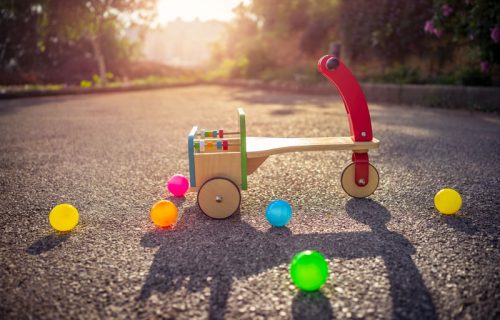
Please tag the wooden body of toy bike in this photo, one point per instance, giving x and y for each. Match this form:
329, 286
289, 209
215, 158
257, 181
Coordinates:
219, 161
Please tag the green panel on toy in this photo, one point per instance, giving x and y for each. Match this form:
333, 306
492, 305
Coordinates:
243, 149
309, 270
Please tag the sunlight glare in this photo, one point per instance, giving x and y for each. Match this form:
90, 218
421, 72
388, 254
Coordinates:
188, 10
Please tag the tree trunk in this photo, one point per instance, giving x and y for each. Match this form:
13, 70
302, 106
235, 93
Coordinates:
101, 65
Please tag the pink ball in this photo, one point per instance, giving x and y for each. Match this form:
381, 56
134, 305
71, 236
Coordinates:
178, 185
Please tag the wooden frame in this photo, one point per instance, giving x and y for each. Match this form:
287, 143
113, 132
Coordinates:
230, 164
251, 152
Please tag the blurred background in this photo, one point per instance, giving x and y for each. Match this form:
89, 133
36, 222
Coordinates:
96, 43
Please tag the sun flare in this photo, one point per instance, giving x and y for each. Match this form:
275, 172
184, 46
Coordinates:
189, 10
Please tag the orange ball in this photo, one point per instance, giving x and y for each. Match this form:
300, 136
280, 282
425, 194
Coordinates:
164, 213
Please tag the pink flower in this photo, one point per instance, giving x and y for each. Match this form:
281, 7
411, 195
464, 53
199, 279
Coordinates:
447, 10
484, 66
429, 26
438, 32
495, 34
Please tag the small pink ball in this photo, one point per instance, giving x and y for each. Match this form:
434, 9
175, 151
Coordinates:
178, 185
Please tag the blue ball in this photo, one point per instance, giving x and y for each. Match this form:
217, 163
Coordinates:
279, 213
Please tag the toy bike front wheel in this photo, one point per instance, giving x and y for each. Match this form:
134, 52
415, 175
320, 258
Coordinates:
351, 188
219, 198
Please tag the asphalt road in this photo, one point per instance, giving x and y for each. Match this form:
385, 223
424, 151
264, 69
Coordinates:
391, 256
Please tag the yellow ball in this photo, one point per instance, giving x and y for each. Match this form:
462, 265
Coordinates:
164, 213
448, 201
64, 217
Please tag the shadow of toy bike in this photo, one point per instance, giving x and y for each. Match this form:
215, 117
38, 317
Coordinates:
223, 250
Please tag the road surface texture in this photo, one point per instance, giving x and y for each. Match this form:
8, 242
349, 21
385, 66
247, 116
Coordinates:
390, 256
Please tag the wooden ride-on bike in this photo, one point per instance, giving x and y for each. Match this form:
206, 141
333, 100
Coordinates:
220, 161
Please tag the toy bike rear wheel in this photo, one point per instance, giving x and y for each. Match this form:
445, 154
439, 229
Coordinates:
219, 198
351, 188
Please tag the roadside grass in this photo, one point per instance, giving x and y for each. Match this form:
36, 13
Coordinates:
150, 81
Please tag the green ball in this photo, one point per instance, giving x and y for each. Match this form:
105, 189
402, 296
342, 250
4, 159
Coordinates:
309, 270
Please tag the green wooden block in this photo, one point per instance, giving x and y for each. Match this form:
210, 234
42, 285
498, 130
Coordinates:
243, 149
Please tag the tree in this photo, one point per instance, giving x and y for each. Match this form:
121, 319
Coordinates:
388, 30
18, 37
38, 38
92, 20
470, 23
275, 35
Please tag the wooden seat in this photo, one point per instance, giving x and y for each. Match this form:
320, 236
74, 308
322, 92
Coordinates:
259, 148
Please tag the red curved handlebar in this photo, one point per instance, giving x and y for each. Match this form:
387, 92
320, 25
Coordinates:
354, 99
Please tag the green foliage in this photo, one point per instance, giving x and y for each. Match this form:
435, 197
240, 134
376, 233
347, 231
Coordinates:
65, 41
96, 79
303, 76
155, 80
31, 88
18, 41
473, 77
229, 69
274, 35
259, 61
405, 74
386, 30
469, 23
85, 84
382, 40
400, 74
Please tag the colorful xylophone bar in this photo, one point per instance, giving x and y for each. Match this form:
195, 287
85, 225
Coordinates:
201, 134
212, 140
209, 145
